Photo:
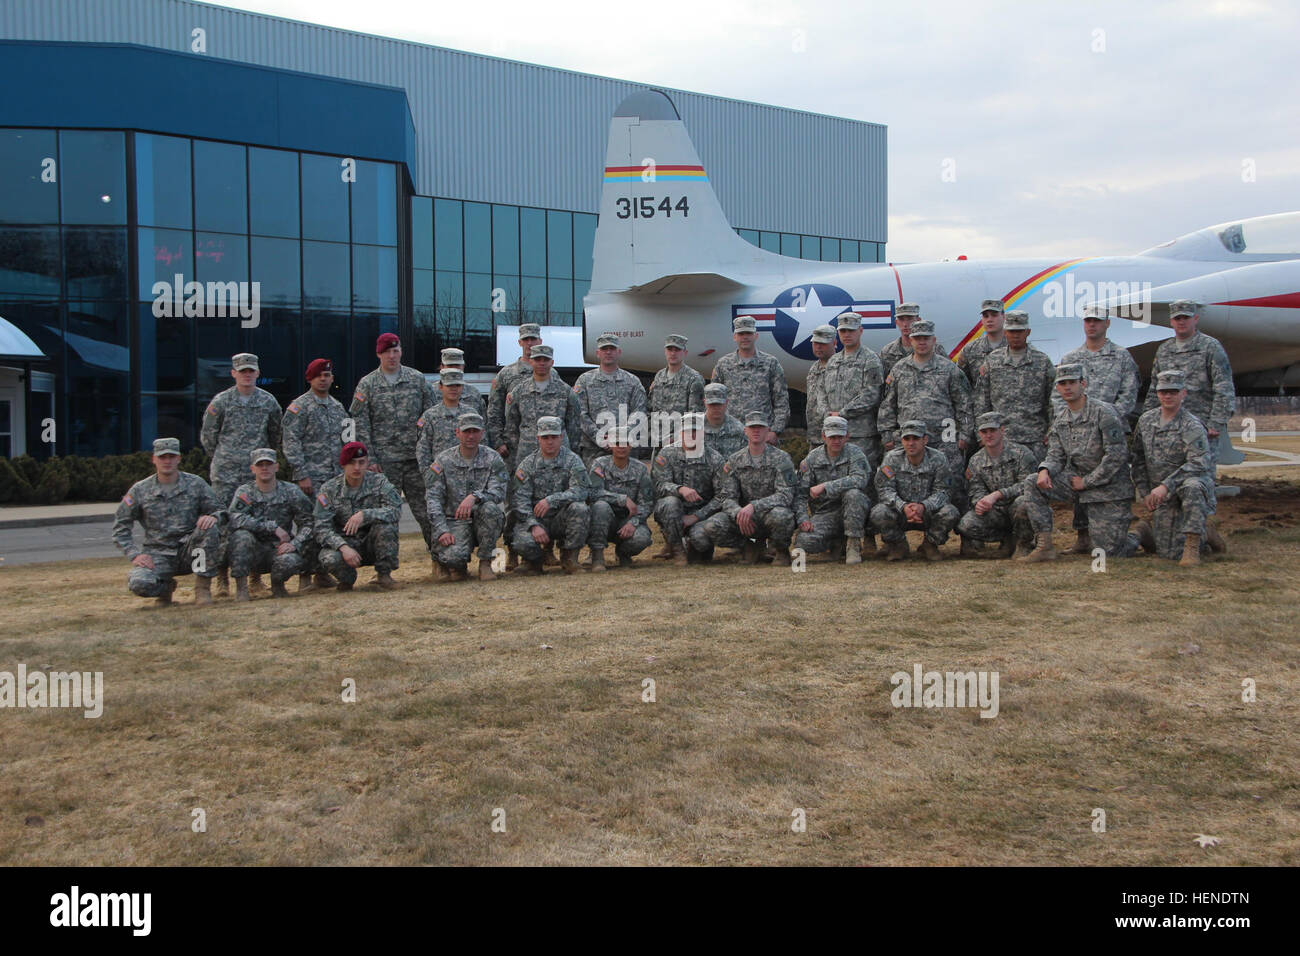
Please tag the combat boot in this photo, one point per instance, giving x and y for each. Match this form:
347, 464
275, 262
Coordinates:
527, 568
1191, 551
485, 572
323, 580
384, 580
1146, 537
548, 557
836, 550
167, 597
626, 560
597, 560
1006, 547
852, 551
440, 572
1214, 539
869, 549
751, 552
665, 553
456, 574
897, 550
512, 560
255, 584
344, 586
304, 584
202, 590
1082, 544
968, 548
278, 589
679, 558
930, 551
223, 583
569, 560
241, 590
1044, 550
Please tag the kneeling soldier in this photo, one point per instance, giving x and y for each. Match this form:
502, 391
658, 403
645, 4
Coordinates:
686, 476
466, 493
262, 515
356, 516
998, 474
550, 500
832, 502
180, 513
621, 499
912, 490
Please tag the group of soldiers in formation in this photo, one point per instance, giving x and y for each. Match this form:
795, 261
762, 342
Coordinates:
893, 449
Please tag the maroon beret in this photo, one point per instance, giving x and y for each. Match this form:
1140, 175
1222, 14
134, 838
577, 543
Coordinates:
386, 342
317, 366
353, 449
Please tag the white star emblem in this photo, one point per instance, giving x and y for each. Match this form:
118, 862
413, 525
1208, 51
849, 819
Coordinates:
810, 316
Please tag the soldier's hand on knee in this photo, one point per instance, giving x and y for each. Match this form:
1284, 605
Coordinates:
688, 494
817, 490
745, 520
540, 535
353, 524
630, 505
205, 522
985, 504
446, 539
283, 535
1076, 483
541, 509
143, 561
805, 525
465, 508
1044, 480
690, 520
350, 556
1157, 497
627, 530
286, 547
913, 511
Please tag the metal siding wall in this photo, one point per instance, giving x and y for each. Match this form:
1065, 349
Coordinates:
499, 131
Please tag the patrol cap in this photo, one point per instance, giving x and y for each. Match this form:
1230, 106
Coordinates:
744, 323
451, 376
530, 330
453, 357
757, 418
921, 327
992, 305
386, 341
988, 420
692, 421
1171, 381
906, 309
470, 420
542, 351
835, 425
675, 341
549, 425
1069, 372
825, 334
715, 393
848, 320
915, 427
1095, 312
317, 367
1017, 321
262, 454
1182, 307
607, 340
166, 446
353, 449
243, 360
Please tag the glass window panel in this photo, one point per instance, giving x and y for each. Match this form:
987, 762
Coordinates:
532, 242
219, 257
170, 416
830, 250
325, 335
422, 288
810, 247
509, 300
95, 263
26, 197
880, 252
374, 277
559, 245
770, 241
92, 177
275, 342
449, 289
166, 353
447, 249
326, 282
532, 298
277, 268
100, 415
374, 204
478, 320
749, 235
478, 291
478, 237
273, 192
559, 296
220, 187
324, 198
215, 340
848, 250
505, 239
421, 232
29, 263
584, 242
789, 245
162, 181
164, 253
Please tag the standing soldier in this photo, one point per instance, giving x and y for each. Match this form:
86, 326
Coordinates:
823, 347
438, 423
832, 502
1087, 462
550, 500
851, 387
901, 347
755, 380
676, 390
686, 476
530, 335
723, 432
180, 514
997, 476
241, 418
355, 521
1018, 380
262, 537
387, 404
313, 430
608, 398
470, 398
466, 497
912, 491
621, 499
972, 356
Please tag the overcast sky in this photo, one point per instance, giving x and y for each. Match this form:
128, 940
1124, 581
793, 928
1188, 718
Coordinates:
1015, 128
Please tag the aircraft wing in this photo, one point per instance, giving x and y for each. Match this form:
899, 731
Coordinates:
691, 283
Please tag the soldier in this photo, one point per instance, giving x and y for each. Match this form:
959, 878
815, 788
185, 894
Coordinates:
386, 406
608, 397
1112, 378
1018, 380
621, 497
470, 397
823, 347
755, 380
758, 488
241, 418
355, 521
852, 385
438, 423
180, 514
466, 497
1172, 473
1211, 396
530, 335
676, 390
901, 347
313, 430
686, 476
723, 432
262, 537
993, 317
1087, 461
912, 491
997, 476
832, 502
550, 500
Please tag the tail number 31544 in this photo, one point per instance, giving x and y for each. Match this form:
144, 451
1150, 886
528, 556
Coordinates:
645, 207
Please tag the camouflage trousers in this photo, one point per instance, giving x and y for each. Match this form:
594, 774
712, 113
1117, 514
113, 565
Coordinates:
669, 513
250, 554
377, 545
225, 492
847, 520
721, 530
1183, 512
957, 470
997, 524
481, 530
569, 524
605, 522
156, 582
407, 478
1108, 521
888, 522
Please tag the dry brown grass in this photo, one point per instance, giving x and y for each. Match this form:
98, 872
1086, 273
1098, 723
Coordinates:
772, 693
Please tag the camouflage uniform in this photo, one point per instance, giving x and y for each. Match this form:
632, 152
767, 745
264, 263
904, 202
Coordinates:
471, 400
755, 385
973, 355
1174, 454
510, 375
610, 488
563, 482
1090, 443
673, 395
852, 386
672, 469
449, 478
1111, 376
933, 393
386, 415
769, 483
816, 409
1020, 387
600, 398
232, 429
377, 541
255, 516
841, 510
1211, 395
899, 483
313, 437
896, 351
1009, 473
530, 400
169, 514
726, 439
437, 433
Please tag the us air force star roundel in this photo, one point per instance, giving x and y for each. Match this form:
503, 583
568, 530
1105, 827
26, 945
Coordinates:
794, 313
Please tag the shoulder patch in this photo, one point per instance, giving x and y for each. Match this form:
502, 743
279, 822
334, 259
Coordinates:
243, 496
595, 469
726, 468
436, 468
803, 465
128, 500
212, 408
968, 474
293, 407
1114, 433
660, 460
358, 396
887, 471
889, 379
510, 399
324, 502
419, 422
519, 473
984, 370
